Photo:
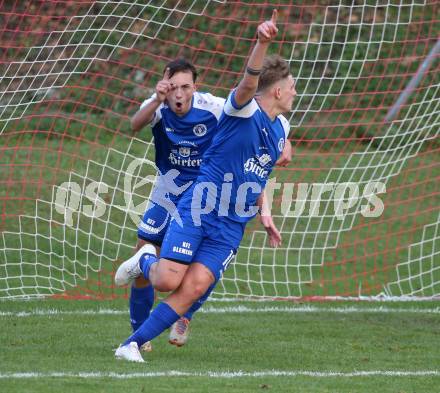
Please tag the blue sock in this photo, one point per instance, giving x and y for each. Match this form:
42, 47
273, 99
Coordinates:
199, 303
141, 303
145, 263
161, 318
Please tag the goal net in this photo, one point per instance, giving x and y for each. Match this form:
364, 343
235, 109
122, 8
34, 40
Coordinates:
358, 207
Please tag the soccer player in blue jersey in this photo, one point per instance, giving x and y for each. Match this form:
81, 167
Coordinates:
183, 122
214, 211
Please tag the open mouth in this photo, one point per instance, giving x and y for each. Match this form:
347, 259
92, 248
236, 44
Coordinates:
179, 105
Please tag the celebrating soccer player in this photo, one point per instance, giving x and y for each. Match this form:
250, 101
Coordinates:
183, 122
212, 214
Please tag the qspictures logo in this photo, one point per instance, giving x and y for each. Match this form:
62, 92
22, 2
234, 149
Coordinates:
297, 199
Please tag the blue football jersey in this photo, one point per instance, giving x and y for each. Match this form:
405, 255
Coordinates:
241, 158
181, 141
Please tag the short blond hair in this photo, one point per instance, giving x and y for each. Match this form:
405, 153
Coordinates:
274, 69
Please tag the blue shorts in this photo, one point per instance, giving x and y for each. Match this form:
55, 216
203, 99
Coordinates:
214, 243
154, 224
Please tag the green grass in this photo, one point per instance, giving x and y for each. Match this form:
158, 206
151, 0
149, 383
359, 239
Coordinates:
319, 341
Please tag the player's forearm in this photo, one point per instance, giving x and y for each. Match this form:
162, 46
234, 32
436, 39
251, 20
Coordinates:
267, 221
263, 205
248, 86
145, 115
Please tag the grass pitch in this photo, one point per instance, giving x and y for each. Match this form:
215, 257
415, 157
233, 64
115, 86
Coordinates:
59, 345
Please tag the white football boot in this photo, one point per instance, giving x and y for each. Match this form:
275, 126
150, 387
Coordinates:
179, 332
130, 269
129, 352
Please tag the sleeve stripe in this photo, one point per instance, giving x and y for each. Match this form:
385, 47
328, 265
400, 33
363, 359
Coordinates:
286, 125
245, 112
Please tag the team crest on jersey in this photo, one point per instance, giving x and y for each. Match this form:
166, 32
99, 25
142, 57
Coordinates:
184, 151
281, 144
264, 159
200, 130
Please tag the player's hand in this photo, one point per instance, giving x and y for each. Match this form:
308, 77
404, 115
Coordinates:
271, 230
267, 30
163, 86
286, 155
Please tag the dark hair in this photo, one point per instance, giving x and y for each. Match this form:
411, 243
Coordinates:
274, 69
181, 65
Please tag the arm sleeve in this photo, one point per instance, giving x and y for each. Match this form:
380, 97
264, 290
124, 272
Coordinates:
286, 125
244, 111
208, 102
157, 114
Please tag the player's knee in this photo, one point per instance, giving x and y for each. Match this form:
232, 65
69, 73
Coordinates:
165, 284
195, 289
198, 291
165, 287
197, 282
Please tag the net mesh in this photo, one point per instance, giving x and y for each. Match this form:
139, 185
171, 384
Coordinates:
74, 180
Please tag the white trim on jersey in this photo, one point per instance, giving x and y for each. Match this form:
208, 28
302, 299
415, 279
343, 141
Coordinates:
210, 103
286, 125
157, 113
245, 112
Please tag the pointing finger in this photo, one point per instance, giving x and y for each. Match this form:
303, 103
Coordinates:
274, 16
166, 76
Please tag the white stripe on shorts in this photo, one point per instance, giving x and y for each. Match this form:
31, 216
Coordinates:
228, 260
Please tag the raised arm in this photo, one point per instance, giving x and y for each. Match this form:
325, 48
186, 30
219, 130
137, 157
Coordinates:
247, 88
145, 115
